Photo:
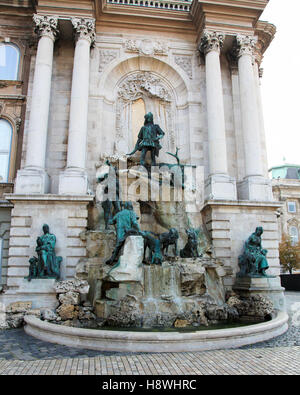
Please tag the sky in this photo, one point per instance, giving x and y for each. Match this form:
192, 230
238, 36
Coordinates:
281, 83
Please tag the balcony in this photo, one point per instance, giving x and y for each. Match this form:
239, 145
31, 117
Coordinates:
175, 5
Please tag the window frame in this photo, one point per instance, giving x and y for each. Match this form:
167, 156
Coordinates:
288, 207
12, 149
1, 257
294, 242
18, 50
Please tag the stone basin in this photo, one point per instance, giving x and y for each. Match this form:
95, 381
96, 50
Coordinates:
176, 341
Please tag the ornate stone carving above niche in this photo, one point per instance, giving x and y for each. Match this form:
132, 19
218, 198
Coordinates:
106, 56
158, 99
185, 62
146, 47
137, 84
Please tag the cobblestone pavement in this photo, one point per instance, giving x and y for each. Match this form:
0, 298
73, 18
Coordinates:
22, 354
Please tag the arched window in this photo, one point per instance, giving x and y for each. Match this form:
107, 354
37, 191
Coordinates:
9, 61
1, 248
6, 132
294, 234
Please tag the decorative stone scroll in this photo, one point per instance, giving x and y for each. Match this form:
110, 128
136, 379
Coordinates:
185, 62
106, 56
211, 41
84, 29
140, 83
46, 26
146, 47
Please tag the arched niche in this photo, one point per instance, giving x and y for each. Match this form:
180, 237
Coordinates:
132, 85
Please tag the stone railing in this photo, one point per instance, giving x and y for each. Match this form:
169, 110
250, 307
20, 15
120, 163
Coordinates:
5, 187
175, 5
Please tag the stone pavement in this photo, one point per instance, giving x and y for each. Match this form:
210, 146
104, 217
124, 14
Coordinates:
22, 354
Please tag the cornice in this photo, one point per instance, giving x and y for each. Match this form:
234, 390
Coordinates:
228, 16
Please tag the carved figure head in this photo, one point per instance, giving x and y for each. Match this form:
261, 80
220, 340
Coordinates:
46, 228
128, 206
173, 233
259, 231
148, 118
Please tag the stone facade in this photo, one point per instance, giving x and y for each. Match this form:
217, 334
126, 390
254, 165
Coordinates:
86, 71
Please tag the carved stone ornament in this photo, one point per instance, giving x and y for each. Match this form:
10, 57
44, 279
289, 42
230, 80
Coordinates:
1, 108
211, 41
46, 26
245, 45
84, 29
146, 47
185, 62
140, 83
106, 56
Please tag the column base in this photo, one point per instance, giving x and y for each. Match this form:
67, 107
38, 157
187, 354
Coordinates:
255, 189
32, 181
73, 182
220, 187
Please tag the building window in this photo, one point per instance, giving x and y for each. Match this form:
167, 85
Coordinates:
291, 207
6, 132
9, 62
1, 248
294, 234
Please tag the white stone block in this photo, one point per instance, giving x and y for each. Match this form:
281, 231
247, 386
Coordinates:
255, 189
32, 181
220, 187
73, 182
130, 266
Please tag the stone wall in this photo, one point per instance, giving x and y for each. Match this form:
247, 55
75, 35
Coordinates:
66, 217
4, 235
231, 223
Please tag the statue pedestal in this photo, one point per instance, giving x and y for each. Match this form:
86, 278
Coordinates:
40, 291
269, 287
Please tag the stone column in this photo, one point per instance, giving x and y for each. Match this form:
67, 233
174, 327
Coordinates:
74, 179
254, 186
33, 178
219, 185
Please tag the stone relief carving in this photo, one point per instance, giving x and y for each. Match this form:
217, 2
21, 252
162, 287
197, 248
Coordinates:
106, 56
185, 62
137, 84
46, 26
146, 47
2, 105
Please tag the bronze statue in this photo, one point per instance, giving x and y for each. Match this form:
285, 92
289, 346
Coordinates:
153, 244
47, 265
110, 207
126, 224
167, 239
190, 250
253, 261
148, 140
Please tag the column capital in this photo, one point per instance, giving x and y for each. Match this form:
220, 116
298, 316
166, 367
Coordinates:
46, 26
211, 41
84, 29
244, 45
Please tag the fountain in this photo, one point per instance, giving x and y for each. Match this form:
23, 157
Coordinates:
156, 274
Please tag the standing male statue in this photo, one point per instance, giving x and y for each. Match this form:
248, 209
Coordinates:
148, 140
126, 223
